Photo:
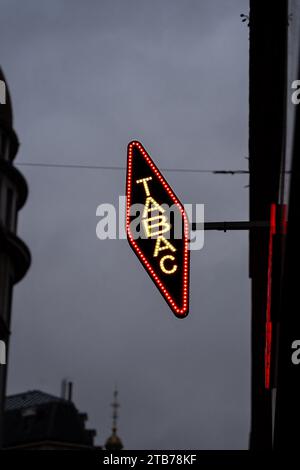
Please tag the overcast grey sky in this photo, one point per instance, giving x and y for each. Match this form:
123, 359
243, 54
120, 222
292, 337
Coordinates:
86, 77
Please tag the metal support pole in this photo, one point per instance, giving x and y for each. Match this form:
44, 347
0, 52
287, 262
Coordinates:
225, 226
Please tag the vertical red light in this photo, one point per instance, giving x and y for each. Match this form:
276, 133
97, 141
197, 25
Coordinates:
268, 339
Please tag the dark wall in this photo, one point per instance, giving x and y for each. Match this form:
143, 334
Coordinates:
268, 39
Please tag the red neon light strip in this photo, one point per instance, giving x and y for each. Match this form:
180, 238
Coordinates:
179, 311
268, 340
284, 219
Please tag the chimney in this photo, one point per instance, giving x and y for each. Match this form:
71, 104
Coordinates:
70, 390
63, 393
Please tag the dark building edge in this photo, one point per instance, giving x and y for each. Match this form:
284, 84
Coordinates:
10, 244
267, 127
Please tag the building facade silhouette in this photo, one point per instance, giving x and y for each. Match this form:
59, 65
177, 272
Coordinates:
36, 420
14, 254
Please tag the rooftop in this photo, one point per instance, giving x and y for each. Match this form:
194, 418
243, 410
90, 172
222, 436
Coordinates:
29, 399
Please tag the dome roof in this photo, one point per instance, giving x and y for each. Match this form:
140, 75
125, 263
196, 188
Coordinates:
114, 442
6, 114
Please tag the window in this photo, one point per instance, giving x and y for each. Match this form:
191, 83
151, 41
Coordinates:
9, 215
1, 203
9, 300
4, 145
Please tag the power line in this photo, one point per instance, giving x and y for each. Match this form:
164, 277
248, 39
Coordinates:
121, 168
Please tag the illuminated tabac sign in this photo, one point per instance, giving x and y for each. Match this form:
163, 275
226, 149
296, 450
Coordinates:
157, 228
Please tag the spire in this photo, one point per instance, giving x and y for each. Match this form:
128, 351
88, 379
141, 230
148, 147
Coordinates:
115, 405
114, 442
